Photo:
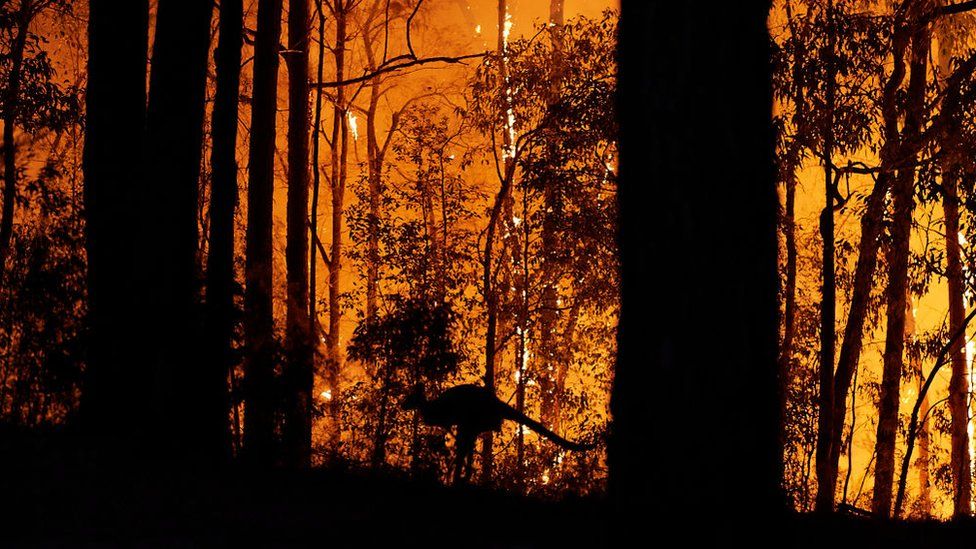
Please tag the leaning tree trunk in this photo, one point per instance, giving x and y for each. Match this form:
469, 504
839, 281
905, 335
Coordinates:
903, 192
298, 340
922, 463
223, 199
9, 148
115, 105
187, 413
258, 319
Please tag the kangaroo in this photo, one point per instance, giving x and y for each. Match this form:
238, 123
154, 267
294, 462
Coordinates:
474, 410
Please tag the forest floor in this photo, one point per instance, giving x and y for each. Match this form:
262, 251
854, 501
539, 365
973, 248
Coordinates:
48, 499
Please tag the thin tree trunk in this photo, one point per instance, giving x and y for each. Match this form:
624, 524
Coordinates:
258, 319
491, 297
549, 314
11, 97
298, 343
960, 455
316, 185
223, 199
340, 138
828, 301
831, 422
897, 291
915, 363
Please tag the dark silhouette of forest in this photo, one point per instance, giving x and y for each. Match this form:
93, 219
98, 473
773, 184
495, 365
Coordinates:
164, 373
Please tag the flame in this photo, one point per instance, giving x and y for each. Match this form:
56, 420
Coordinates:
477, 30
353, 127
326, 394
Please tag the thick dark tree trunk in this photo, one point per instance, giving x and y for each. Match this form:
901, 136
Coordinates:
258, 320
118, 37
673, 110
186, 400
220, 314
298, 343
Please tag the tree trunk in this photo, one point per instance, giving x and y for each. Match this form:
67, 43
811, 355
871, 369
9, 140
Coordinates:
223, 199
9, 148
961, 456
186, 402
491, 297
829, 439
258, 319
549, 314
915, 364
828, 301
298, 343
672, 108
313, 320
337, 183
903, 192
111, 410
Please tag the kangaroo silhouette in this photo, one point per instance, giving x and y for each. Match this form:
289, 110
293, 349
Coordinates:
474, 410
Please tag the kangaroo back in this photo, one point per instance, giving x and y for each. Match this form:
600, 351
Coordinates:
512, 414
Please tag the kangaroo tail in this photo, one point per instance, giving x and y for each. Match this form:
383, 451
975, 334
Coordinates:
514, 415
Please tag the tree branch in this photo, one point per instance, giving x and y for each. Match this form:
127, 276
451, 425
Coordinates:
398, 66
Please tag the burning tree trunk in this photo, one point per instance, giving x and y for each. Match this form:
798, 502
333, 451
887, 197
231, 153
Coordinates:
549, 314
504, 194
223, 196
298, 343
258, 320
186, 400
897, 292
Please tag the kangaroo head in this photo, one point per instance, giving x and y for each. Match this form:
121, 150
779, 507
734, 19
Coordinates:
415, 398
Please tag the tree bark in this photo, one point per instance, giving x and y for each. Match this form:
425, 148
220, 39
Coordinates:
898, 256
223, 198
298, 343
258, 319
